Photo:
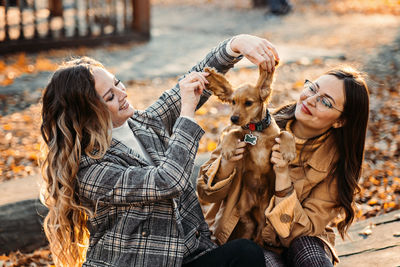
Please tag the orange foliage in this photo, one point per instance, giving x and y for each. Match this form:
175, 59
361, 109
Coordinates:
22, 65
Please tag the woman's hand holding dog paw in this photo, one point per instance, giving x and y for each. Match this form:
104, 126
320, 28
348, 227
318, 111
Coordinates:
281, 167
191, 88
237, 153
276, 157
227, 165
258, 50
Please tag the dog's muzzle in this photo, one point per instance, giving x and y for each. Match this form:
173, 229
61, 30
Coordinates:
235, 119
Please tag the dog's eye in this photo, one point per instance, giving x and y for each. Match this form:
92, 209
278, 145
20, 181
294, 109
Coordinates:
248, 103
233, 102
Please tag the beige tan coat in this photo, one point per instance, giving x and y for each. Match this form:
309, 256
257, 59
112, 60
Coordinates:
306, 212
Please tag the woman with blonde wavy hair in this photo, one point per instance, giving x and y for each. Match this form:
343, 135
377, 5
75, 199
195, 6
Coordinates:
117, 179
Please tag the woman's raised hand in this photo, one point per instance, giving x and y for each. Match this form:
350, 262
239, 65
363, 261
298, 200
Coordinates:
258, 50
281, 167
191, 88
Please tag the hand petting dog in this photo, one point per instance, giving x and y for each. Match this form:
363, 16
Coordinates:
227, 165
258, 50
191, 88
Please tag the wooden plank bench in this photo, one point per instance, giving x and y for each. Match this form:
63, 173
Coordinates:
380, 248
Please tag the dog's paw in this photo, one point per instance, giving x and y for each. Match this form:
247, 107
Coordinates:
259, 239
228, 153
288, 146
229, 142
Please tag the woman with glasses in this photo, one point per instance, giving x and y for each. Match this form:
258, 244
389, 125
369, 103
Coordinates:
329, 123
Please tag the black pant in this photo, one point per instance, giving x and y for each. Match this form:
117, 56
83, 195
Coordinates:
236, 253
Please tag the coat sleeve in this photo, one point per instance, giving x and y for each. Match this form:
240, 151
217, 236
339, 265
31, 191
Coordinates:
168, 106
209, 188
292, 218
109, 182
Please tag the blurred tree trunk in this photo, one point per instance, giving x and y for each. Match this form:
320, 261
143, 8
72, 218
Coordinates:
141, 16
56, 8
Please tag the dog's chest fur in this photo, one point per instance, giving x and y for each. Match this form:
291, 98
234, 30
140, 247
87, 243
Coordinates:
260, 153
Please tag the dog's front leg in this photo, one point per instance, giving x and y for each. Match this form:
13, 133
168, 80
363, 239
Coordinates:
260, 218
248, 226
229, 143
246, 204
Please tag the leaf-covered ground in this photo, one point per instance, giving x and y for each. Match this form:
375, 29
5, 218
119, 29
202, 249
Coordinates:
38, 258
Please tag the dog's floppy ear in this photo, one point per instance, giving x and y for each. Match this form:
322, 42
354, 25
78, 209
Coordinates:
264, 83
219, 85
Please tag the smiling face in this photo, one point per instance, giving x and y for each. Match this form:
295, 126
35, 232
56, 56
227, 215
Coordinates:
114, 95
310, 120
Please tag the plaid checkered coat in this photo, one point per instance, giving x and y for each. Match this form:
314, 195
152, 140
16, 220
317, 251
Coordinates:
149, 215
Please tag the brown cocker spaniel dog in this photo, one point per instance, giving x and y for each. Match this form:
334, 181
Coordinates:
251, 122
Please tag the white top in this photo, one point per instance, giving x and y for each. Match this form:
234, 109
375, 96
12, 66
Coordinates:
125, 135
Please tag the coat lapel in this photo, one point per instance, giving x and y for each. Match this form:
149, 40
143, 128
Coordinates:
150, 139
127, 154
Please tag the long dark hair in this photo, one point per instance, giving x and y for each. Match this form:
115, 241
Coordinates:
75, 120
350, 139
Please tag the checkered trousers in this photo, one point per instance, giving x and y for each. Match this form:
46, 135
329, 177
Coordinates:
305, 251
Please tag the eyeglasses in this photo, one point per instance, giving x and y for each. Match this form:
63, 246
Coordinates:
323, 103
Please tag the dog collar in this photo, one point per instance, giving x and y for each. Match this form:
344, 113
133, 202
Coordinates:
259, 126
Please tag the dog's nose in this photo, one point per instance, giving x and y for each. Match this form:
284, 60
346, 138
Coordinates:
235, 119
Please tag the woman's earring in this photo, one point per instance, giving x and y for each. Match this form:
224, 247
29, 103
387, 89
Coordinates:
338, 124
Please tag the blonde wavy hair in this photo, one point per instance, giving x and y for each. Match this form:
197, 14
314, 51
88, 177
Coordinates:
75, 120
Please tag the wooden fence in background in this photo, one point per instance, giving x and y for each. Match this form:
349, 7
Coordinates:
32, 25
